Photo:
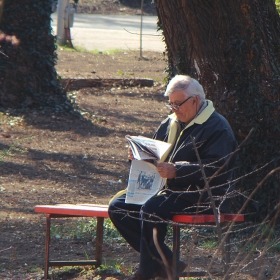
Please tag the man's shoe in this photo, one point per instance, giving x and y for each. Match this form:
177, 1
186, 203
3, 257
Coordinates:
162, 273
136, 276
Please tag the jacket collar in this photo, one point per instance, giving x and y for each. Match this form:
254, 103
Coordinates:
202, 117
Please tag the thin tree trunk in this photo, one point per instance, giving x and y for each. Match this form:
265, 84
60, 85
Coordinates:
1, 8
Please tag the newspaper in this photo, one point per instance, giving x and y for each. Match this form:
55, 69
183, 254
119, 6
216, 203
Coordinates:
143, 183
146, 148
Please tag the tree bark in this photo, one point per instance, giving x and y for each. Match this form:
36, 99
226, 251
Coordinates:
220, 42
1, 8
232, 48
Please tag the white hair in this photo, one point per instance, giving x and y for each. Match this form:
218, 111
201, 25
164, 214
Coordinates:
190, 86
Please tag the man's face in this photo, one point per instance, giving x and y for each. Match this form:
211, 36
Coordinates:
187, 105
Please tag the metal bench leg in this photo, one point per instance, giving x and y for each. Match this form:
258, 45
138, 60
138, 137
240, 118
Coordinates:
176, 252
47, 245
99, 240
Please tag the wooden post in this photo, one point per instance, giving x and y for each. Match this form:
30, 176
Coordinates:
141, 28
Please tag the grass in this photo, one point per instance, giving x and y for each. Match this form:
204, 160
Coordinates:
14, 147
113, 267
85, 228
76, 49
66, 272
120, 73
114, 51
95, 51
259, 238
274, 246
33, 269
90, 272
209, 244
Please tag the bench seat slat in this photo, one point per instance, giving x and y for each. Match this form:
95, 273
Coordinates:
207, 218
84, 210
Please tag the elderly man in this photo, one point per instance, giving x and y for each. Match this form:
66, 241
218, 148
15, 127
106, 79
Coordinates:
194, 119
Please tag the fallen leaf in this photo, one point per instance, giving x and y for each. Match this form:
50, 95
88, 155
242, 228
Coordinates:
6, 135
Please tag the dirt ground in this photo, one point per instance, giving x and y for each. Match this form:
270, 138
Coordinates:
68, 158
120, 65
82, 158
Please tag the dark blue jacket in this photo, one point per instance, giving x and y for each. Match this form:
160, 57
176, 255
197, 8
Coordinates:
215, 143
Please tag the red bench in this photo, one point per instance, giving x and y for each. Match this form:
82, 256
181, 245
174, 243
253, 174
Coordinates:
73, 210
225, 220
101, 212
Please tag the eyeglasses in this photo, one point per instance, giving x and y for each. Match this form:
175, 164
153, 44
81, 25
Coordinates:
176, 107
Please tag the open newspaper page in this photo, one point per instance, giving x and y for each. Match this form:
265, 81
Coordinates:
146, 148
143, 183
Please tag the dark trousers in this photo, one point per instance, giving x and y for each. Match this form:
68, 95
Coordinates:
136, 223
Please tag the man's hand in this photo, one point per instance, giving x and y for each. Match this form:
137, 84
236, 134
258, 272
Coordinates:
130, 154
166, 170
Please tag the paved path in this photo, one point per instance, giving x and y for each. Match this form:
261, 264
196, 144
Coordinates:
108, 32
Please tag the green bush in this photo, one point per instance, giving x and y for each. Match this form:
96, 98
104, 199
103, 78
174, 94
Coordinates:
277, 2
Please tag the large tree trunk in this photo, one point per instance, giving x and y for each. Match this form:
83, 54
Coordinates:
27, 70
232, 48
